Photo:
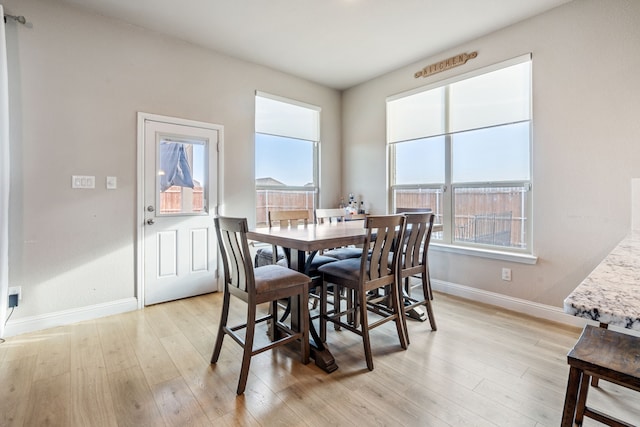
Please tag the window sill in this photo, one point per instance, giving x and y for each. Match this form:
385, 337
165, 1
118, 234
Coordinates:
485, 253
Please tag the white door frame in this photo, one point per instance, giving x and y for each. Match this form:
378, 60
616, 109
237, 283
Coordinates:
142, 117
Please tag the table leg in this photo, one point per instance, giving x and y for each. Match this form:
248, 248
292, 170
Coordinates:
319, 352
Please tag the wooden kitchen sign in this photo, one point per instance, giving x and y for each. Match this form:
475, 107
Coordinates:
446, 64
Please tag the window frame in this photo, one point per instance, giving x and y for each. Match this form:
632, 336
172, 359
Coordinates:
315, 187
446, 239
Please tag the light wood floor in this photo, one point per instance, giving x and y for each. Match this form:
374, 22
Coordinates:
483, 367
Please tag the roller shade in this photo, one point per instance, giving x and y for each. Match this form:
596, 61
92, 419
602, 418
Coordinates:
292, 120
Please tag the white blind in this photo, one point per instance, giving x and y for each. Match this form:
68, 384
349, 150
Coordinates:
292, 119
496, 95
416, 116
491, 99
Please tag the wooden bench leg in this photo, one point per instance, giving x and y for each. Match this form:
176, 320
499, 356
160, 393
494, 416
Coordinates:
582, 399
571, 398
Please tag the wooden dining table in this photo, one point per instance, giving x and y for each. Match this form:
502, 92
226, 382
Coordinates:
304, 242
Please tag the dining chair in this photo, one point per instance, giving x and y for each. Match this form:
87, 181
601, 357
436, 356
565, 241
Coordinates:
419, 276
364, 275
328, 216
287, 218
414, 262
255, 286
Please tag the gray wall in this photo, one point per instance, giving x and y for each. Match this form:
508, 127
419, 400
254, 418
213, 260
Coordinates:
586, 142
77, 81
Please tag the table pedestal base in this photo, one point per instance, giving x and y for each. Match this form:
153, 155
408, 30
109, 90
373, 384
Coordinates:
417, 313
323, 358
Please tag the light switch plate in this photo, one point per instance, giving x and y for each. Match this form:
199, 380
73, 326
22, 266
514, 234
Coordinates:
112, 183
83, 181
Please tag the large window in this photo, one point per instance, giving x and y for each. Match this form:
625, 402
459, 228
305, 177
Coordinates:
462, 149
286, 162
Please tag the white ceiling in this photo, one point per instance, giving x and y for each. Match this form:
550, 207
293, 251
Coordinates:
337, 43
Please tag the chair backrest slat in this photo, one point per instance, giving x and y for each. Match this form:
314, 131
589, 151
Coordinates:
288, 218
417, 237
234, 250
384, 234
329, 215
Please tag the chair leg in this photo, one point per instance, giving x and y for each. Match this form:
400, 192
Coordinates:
248, 347
223, 322
426, 289
397, 303
323, 312
582, 398
571, 397
304, 327
364, 325
428, 280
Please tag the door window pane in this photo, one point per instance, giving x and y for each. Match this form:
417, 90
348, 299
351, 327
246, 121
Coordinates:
182, 169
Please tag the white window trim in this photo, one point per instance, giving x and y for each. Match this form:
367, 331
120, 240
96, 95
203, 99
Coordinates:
512, 254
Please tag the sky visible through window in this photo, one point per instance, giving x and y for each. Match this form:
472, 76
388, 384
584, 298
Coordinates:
498, 153
287, 160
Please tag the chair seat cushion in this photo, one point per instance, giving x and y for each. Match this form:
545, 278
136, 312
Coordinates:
347, 269
273, 277
320, 260
264, 256
317, 261
343, 253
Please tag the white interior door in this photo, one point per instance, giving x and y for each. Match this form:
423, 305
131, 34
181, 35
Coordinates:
180, 198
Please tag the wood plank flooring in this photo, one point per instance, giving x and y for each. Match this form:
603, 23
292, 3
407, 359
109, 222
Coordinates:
483, 367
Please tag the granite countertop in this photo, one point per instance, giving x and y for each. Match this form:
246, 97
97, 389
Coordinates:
611, 293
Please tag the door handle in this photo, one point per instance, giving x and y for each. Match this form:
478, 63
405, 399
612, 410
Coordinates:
150, 221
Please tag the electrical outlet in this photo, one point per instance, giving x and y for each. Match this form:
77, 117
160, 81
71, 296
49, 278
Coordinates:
506, 274
16, 290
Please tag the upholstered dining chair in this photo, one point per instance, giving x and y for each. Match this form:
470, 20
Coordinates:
287, 218
414, 263
255, 286
324, 216
419, 276
364, 275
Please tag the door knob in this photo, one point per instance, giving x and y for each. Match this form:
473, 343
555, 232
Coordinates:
150, 221
150, 208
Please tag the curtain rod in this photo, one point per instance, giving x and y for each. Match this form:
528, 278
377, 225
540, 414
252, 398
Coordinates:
20, 19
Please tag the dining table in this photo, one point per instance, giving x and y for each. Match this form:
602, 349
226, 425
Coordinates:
303, 242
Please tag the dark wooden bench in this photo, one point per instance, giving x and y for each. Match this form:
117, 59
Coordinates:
599, 353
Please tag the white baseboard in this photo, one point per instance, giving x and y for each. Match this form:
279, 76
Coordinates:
542, 311
66, 317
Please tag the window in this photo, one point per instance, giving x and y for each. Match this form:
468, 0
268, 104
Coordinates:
462, 148
286, 163
182, 176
